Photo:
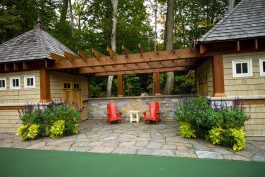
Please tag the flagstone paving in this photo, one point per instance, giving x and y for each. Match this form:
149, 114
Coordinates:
131, 138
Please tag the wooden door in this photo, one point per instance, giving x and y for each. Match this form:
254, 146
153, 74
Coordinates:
77, 95
72, 94
203, 85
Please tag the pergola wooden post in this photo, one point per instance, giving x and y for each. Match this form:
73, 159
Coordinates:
120, 86
156, 81
218, 76
45, 90
88, 88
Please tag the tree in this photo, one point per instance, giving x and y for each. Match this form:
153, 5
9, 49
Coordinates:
231, 4
168, 42
113, 41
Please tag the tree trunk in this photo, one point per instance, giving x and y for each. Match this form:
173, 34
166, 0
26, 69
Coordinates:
169, 44
231, 4
155, 11
155, 42
113, 41
71, 14
64, 11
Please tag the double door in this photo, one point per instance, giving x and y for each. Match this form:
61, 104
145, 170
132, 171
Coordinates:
72, 93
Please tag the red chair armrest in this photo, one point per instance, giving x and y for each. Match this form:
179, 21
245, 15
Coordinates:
120, 113
145, 113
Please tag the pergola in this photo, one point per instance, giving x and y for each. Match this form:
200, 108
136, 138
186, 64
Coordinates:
143, 62
114, 64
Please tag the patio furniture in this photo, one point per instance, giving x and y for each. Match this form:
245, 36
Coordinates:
153, 113
112, 113
134, 115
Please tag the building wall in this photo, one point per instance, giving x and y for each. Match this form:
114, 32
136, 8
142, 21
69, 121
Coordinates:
22, 95
205, 69
244, 86
57, 79
9, 119
256, 125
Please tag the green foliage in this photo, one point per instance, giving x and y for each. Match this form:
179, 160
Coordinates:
232, 117
185, 83
215, 135
132, 85
57, 129
54, 120
239, 138
33, 131
232, 137
22, 132
28, 132
186, 130
198, 113
219, 123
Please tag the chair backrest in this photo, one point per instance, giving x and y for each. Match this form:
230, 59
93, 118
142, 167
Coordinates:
112, 109
154, 108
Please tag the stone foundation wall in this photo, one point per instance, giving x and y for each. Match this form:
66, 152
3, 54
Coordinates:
97, 107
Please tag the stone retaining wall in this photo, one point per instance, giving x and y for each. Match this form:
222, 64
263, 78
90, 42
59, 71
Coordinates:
97, 107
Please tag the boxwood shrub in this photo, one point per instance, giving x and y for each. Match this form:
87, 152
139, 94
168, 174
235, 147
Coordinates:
221, 124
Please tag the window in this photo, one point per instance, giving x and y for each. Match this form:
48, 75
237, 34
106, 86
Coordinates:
262, 67
66, 85
29, 81
2, 83
76, 86
242, 68
15, 83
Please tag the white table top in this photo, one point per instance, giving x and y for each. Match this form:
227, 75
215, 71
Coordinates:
134, 111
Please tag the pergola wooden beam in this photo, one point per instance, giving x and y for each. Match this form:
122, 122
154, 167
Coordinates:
97, 54
71, 57
83, 55
141, 66
141, 71
122, 59
111, 52
57, 57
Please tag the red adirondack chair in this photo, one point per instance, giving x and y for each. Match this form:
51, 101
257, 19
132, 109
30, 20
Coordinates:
153, 113
112, 113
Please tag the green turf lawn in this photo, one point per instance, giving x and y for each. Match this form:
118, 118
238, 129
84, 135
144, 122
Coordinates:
35, 163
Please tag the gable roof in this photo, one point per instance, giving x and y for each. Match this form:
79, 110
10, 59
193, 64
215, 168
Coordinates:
246, 20
32, 45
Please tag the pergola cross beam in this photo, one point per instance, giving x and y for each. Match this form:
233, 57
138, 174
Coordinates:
147, 57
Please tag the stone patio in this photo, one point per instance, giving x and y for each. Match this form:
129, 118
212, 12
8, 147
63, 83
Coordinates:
143, 139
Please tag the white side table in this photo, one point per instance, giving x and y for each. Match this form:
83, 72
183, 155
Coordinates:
134, 116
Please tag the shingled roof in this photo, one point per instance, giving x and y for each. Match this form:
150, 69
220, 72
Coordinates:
246, 20
32, 45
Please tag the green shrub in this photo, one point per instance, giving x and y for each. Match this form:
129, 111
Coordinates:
71, 128
48, 121
33, 131
186, 130
22, 132
57, 129
235, 138
27, 132
198, 113
215, 135
232, 117
220, 124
